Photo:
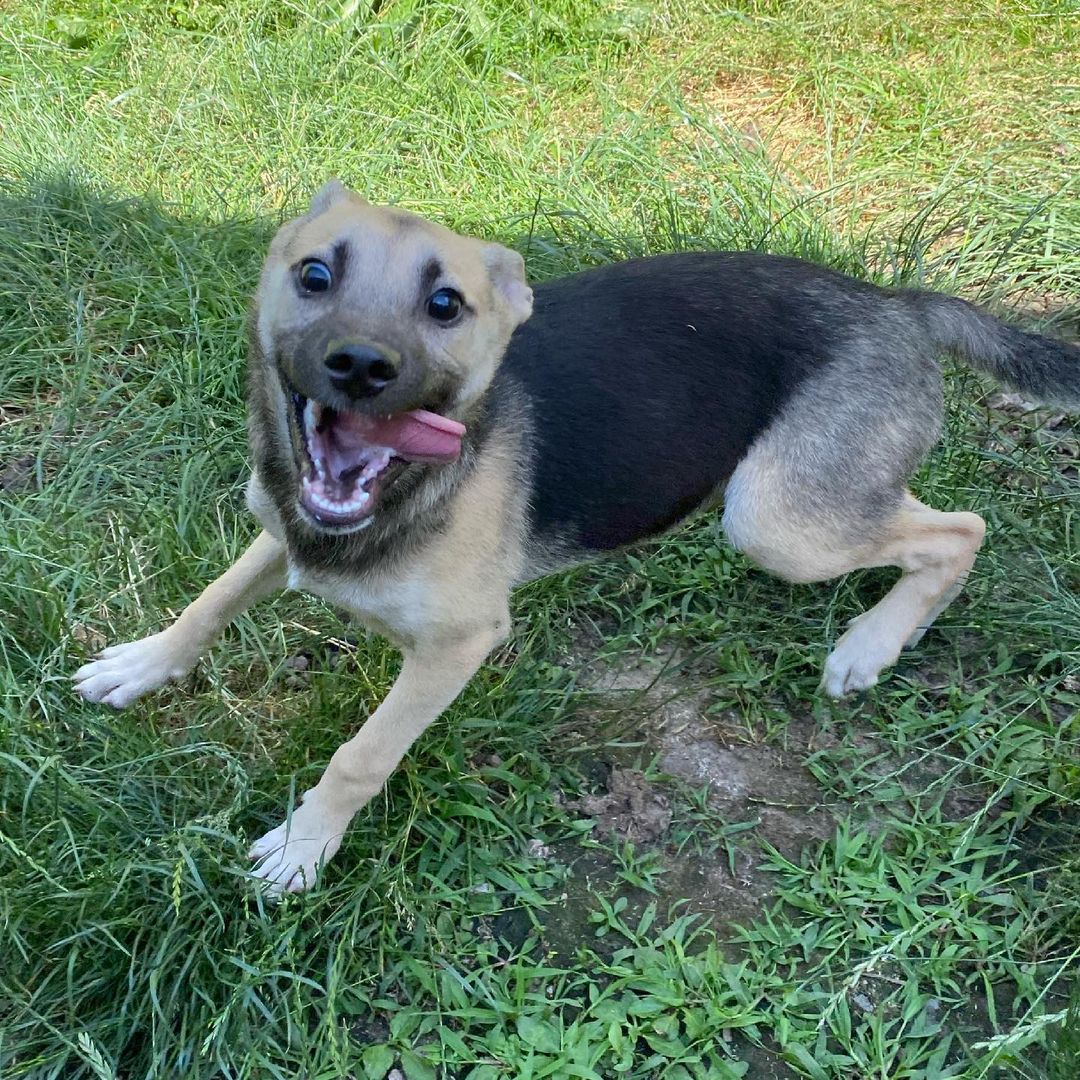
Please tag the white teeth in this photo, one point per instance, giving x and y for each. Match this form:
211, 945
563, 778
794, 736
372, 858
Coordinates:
376, 465
322, 478
335, 506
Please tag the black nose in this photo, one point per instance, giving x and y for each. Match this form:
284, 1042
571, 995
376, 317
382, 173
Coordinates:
360, 370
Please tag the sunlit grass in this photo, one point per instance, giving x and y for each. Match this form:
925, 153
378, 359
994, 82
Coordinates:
146, 153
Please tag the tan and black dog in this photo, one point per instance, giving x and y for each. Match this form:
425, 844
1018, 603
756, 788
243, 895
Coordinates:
421, 446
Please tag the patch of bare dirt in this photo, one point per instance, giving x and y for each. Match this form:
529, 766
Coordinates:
701, 745
766, 115
631, 808
660, 710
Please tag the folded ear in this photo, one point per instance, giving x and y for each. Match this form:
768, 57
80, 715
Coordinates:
507, 271
331, 192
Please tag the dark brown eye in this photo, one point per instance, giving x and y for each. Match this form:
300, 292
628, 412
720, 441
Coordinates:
315, 276
444, 305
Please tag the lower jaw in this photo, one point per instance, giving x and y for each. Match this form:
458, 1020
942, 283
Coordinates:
335, 511
328, 521
333, 528
351, 514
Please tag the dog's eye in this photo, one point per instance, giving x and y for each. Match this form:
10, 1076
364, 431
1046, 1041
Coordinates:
315, 276
444, 305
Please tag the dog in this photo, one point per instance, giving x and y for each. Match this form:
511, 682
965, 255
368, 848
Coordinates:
428, 431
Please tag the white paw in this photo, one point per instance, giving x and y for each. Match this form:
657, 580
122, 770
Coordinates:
122, 673
288, 858
857, 661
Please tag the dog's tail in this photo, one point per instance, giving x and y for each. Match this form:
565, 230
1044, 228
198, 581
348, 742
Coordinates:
1039, 367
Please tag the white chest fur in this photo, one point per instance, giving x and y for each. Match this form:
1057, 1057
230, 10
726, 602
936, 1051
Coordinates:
396, 607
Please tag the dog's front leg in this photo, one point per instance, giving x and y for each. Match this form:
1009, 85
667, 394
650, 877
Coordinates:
125, 672
432, 675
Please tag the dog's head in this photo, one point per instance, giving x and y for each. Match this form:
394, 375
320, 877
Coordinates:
383, 329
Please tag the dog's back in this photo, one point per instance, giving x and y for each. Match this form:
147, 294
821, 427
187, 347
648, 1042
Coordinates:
646, 382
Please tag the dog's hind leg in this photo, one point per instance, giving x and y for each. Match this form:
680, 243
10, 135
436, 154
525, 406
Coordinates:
823, 492
934, 550
125, 672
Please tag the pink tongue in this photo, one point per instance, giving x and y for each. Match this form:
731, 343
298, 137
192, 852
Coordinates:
416, 436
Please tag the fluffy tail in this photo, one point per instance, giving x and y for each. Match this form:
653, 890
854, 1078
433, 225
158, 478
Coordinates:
1039, 367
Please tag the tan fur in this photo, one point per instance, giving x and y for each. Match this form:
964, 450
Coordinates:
456, 586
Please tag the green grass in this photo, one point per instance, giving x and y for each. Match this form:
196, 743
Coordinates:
146, 153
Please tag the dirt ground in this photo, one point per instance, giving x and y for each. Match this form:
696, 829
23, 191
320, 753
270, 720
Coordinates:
688, 739
671, 728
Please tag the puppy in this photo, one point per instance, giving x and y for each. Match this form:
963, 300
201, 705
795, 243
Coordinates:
421, 445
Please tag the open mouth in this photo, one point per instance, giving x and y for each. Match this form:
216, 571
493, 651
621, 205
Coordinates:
347, 460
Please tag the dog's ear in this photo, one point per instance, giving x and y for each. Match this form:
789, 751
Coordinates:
507, 271
331, 192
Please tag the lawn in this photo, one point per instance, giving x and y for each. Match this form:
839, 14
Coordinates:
641, 844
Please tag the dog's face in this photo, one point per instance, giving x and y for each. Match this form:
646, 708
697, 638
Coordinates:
383, 329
